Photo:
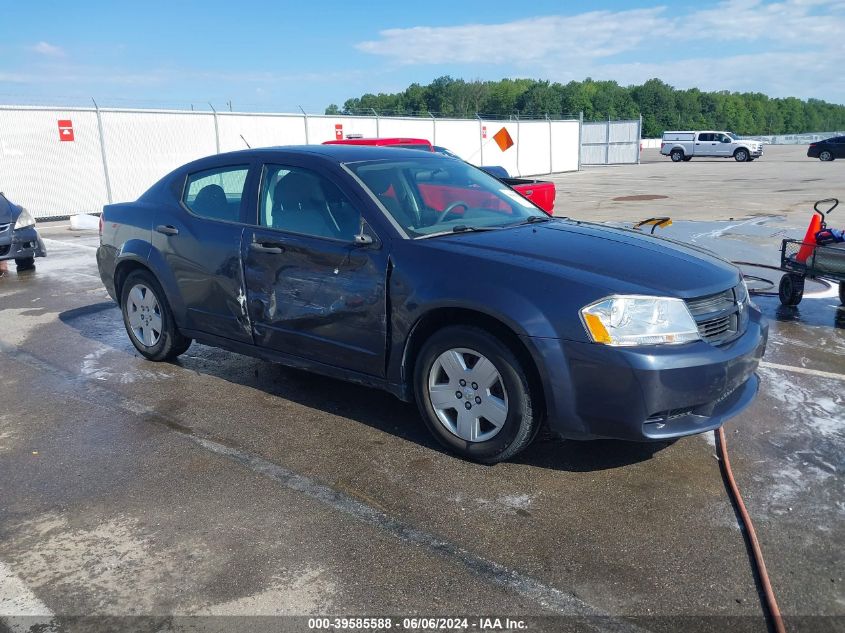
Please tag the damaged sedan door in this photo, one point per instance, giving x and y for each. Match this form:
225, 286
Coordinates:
200, 242
315, 273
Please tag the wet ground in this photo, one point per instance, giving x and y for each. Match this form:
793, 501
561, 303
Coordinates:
221, 485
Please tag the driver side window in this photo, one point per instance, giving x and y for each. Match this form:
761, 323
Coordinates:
298, 200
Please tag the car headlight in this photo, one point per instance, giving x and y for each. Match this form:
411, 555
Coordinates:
25, 219
639, 320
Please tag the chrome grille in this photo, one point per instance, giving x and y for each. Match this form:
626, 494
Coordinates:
719, 316
712, 303
717, 328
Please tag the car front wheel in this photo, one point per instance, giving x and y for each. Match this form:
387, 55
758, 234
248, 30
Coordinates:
474, 395
741, 155
148, 319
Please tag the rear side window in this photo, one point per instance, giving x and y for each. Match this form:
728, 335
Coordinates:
216, 193
706, 137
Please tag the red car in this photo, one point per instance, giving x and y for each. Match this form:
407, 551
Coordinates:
540, 192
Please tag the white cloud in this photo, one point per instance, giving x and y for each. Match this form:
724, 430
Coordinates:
592, 34
791, 47
47, 49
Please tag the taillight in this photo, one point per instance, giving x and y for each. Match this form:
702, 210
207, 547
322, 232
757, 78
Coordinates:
101, 225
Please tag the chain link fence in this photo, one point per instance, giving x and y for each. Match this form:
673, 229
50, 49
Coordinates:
63, 161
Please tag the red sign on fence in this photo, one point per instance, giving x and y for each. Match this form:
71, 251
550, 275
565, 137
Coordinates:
483, 131
65, 130
338, 131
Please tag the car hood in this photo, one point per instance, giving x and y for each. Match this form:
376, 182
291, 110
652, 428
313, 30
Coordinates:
619, 260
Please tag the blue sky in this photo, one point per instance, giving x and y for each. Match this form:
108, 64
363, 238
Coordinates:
281, 55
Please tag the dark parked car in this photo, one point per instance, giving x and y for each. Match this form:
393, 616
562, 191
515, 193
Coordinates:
828, 149
19, 240
427, 277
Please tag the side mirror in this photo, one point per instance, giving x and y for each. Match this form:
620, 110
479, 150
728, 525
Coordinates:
726, 140
362, 239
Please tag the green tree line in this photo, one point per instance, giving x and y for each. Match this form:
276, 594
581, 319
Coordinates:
662, 106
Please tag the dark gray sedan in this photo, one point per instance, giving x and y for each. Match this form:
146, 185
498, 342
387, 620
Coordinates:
19, 240
427, 277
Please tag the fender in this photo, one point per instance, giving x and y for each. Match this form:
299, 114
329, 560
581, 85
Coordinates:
510, 309
144, 253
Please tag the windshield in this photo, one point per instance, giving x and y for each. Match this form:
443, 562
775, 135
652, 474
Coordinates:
432, 196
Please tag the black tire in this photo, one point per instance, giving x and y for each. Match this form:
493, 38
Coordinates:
791, 289
826, 155
522, 421
687, 159
170, 342
842, 292
741, 155
26, 263
677, 155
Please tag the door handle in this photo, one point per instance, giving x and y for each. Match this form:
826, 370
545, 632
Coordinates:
270, 248
167, 229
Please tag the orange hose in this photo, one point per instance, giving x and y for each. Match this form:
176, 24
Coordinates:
770, 603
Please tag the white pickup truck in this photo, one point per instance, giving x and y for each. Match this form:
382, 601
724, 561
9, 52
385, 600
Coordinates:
682, 146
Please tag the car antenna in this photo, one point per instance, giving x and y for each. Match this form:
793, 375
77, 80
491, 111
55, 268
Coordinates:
244, 140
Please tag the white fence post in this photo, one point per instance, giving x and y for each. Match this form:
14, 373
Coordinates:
103, 152
580, 138
639, 139
480, 140
216, 129
378, 133
305, 122
433, 129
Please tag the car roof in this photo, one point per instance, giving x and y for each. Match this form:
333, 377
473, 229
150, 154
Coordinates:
333, 153
397, 140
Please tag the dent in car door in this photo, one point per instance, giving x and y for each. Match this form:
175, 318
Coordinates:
319, 297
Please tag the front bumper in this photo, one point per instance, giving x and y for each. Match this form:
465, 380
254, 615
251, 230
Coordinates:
757, 153
655, 393
21, 244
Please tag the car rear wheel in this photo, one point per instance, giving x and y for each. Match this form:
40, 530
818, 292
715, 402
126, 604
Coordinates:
25, 263
826, 155
474, 395
741, 155
842, 292
148, 318
677, 155
791, 289
687, 159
